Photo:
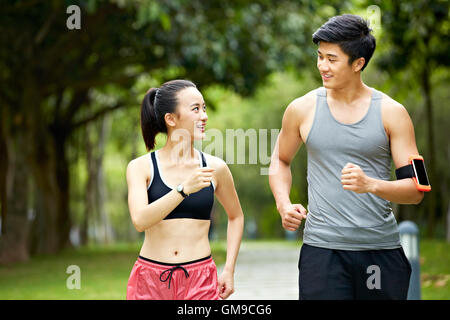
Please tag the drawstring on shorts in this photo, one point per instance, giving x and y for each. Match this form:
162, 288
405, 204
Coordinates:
169, 275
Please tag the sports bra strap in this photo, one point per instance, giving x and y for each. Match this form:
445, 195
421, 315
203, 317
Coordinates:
203, 160
155, 164
156, 168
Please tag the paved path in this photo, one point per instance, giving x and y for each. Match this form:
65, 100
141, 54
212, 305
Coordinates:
266, 271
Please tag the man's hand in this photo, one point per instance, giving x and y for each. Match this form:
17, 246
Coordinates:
354, 179
292, 216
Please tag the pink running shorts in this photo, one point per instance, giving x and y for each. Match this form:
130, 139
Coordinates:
153, 280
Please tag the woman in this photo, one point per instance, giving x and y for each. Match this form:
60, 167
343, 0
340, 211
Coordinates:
170, 196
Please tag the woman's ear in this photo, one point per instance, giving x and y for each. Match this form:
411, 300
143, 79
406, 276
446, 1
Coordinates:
170, 119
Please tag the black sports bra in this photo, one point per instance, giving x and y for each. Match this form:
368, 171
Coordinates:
197, 205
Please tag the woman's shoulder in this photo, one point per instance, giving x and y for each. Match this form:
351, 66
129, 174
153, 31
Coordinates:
145, 158
140, 164
222, 173
215, 162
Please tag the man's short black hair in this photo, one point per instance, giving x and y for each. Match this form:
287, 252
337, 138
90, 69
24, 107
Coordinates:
351, 33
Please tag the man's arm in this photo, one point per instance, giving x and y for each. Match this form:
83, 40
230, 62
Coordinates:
280, 177
403, 144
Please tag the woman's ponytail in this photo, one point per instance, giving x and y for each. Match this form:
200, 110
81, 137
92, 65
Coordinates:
149, 122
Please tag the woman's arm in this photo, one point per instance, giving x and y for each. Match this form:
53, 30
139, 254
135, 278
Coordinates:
227, 196
145, 215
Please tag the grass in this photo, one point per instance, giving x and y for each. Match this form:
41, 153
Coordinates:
105, 271
435, 270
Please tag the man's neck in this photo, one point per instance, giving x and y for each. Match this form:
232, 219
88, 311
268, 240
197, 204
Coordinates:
352, 91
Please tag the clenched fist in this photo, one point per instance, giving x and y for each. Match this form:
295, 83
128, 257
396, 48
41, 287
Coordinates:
292, 216
201, 178
354, 179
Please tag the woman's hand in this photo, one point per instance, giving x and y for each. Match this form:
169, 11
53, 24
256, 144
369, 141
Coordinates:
226, 284
200, 179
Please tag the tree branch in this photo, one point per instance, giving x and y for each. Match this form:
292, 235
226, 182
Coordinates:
97, 115
80, 97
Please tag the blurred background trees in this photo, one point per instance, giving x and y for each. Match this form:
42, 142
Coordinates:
417, 40
70, 102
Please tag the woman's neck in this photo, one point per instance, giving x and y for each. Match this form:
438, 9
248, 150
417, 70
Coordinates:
178, 151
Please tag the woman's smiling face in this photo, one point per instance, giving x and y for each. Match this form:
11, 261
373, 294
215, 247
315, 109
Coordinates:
191, 113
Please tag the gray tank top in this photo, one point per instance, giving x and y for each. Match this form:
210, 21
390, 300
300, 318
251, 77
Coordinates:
338, 218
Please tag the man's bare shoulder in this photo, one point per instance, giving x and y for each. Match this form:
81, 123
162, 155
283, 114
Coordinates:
392, 109
301, 106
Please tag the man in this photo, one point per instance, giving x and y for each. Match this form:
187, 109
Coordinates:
351, 247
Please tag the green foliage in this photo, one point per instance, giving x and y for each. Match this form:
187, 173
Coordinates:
250, 59
415, 37
264, 109
418, 32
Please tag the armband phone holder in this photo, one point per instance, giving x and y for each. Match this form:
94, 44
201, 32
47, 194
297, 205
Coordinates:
415, 170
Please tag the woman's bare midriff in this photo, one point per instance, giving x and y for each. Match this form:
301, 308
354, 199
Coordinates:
177, 241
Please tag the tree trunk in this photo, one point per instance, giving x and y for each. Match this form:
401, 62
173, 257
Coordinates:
447, 215
96, 218
51, 173
3, 168
15, 185
101, 184
432, 196
64, 222
447, 226
89, 220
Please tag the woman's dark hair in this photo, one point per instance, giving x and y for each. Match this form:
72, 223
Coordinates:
351, 33
156, 103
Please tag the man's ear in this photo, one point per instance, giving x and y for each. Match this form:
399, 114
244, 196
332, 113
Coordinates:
169, 118
358, 64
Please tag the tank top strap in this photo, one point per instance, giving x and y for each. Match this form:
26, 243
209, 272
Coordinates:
376, 99
321, 104
374, 112
376, 95
322, 92
321, 98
